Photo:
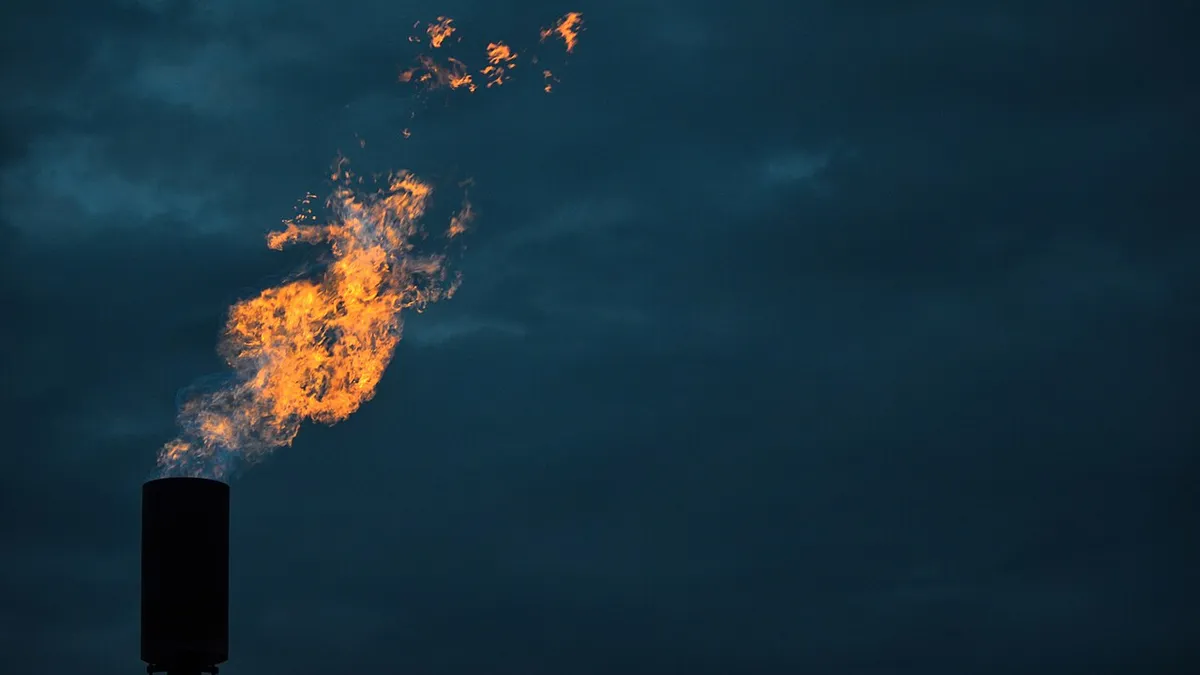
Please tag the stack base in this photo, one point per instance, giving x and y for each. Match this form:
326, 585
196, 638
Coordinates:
185, 575
207, 670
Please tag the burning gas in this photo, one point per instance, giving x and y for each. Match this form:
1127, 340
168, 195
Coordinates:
566, 28
453, 73
501, 57
438, 32
315, 348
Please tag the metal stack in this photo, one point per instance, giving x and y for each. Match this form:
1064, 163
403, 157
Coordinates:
185, 575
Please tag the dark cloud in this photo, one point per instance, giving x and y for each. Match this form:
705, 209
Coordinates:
842, 337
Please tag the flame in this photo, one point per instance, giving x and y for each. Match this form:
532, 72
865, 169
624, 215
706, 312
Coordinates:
438, 32
567, 28
460, 221
500, 58
435, 75
315, 349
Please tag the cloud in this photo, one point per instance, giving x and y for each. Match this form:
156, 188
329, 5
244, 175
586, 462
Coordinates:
67, 185
794, 168
830, 337
207, 81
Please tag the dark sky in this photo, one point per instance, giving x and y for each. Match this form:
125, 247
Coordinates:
842, 337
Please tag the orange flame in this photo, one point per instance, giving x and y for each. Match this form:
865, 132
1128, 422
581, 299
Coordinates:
500, 59
567, 28
438, 32
315, 349
460, 221
435, 75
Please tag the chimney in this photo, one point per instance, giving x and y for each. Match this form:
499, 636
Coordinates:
185, 575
